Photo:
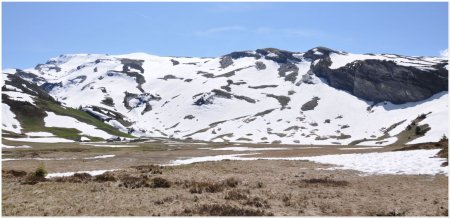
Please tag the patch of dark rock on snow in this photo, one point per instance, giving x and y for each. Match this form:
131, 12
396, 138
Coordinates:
27, 87
29, 76
139, 100
50, 86
260, 65
173, 126
103, 89
222, 94
132, 64
310, 105
264, 112
292, 128
263, 86
281, 56
189, 117
77, 80
170, 76
245, 98
225, 62
108, 101
319, 52
288, 67
188, 80
242, 54
174, 62
231, 73
47, 66
283, 100
206, 74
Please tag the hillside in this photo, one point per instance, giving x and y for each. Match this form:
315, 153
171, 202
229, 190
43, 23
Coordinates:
320, 96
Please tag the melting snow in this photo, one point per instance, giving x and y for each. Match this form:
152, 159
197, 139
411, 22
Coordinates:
92, 173
358, 148
211, 158
398, 162
19, 96
9, 121
14, 147
42, 140
100, 157
114, 146
53, 120
44, 134
245, 149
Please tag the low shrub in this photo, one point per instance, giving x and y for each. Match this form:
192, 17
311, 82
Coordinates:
159, 182
105, 177
236, 194
134, 182
325, 182
200, 187
75, 178
153, 169
223, 210
257, 202
13, 173
40, 172
231, 182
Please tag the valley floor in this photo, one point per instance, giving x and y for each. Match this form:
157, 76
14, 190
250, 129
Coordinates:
228, 187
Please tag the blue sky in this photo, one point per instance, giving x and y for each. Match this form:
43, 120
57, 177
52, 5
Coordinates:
35, 32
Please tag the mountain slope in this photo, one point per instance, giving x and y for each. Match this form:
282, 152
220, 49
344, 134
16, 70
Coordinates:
321, 96
30, 110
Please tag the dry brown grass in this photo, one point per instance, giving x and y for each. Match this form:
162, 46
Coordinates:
257, 202
152, 169
105, 177
13, 173
198, 187
222, 210
324, 182
237, 194
159, 182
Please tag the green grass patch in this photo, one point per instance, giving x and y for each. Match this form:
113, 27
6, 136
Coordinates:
83, 117
31, 119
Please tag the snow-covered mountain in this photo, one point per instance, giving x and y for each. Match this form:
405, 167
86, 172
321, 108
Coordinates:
320, 96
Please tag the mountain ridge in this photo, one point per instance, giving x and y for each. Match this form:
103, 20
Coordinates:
215, 98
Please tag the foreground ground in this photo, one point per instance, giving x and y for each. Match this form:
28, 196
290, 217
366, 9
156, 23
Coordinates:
257, 187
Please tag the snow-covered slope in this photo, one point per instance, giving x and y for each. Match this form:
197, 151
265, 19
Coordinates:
266, 96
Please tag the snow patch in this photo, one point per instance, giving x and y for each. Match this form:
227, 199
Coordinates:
53, 120
41, 134
100, 157
40, 140
9, 121
14, 147
64, 174
397, 162
114, 146
19, 96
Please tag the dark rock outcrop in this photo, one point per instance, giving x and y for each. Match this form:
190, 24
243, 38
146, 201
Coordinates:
242, 54
280, 56
260, 65
310, 105
379, 80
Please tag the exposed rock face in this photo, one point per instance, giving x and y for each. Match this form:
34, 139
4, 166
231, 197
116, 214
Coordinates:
310, 105
277, 55
379, 80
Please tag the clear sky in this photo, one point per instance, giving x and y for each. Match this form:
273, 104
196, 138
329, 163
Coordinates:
35, 32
